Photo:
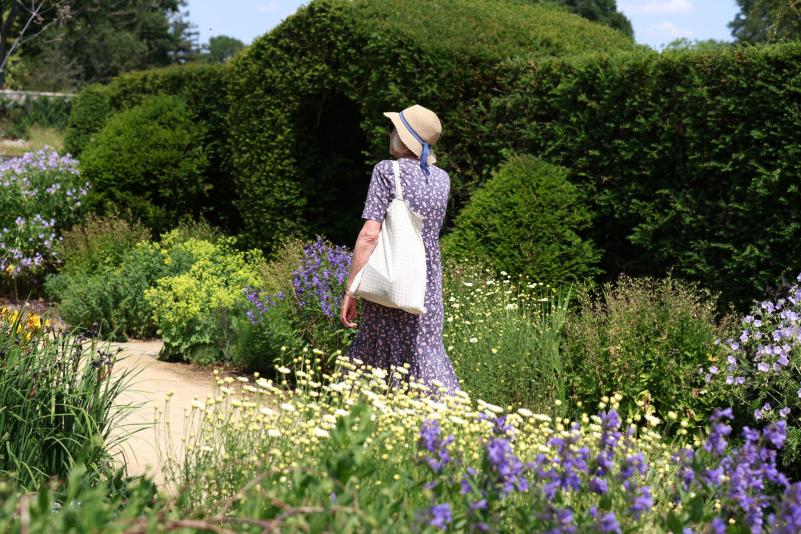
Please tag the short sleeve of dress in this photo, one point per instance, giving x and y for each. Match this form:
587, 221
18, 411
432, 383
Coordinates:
380, 192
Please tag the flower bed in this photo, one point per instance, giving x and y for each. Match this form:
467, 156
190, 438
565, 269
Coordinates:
40, 194
348, 442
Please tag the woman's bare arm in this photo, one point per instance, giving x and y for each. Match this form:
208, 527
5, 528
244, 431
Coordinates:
365, 244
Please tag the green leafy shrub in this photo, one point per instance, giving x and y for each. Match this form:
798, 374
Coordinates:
298, 159
58, 401
271, 342
268, 336
646, 339
79, 504
90, 110
193, 310
503, 335
203, 87
98, 243
681, 152
150, 159
110, 301
108, 263
527, 219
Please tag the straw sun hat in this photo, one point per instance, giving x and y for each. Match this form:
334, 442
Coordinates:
419, 128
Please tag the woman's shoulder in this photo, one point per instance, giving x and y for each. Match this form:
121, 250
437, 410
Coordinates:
411, 164
384, 165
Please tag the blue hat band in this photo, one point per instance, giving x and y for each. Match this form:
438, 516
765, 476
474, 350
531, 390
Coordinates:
426, 146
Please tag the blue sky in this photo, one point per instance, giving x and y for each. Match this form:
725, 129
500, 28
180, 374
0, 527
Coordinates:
656, 22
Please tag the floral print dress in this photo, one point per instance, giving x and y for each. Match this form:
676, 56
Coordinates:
389, 336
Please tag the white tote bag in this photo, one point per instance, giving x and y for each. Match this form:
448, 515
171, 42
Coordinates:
395, 274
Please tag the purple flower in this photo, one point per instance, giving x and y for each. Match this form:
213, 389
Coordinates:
567, 465
718, 526
314, 285
684, 458
608, 523
431, 441
787, 518
598, 485
507, 468
716, 441
441, 515
561, 520
631, 465
642, 502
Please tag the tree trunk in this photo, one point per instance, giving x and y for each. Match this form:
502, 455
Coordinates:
5, 31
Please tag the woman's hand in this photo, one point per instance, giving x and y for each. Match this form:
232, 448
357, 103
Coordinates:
348, 311
365, 244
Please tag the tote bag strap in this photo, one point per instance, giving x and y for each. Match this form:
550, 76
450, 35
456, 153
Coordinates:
396, 173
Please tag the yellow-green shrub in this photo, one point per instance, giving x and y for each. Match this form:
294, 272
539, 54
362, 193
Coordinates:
193, 310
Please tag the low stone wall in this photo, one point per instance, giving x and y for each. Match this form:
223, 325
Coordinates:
19, 96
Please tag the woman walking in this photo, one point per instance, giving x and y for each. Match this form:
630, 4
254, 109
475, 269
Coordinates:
390, 336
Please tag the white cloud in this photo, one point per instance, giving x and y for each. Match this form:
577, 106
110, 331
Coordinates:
658, 6
269, 7
670, 30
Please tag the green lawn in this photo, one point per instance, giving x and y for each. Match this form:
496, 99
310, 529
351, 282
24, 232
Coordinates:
37, 139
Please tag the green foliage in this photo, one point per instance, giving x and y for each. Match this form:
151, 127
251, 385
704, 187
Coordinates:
58, 402
17, 117
503, 335
527, 219
276, 337
271, 342
681, 154
699, 45
111, 506
98, 243
202, 87
108, 263
601, 11
222, 48
110, 301
90, 110
99, 39
645, 339
193, 309
151, 160
303, 106
759, 21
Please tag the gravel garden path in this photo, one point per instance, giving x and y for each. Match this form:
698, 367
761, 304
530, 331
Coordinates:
150, 382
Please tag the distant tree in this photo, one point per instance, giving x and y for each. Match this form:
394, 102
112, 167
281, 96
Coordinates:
221, 48
185, 37
602, 11
761, 21
22, 22
104, 38
705, 45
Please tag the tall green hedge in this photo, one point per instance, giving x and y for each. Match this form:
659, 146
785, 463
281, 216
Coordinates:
691, 159
306, 100
149, 159
202, 87
527, 219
